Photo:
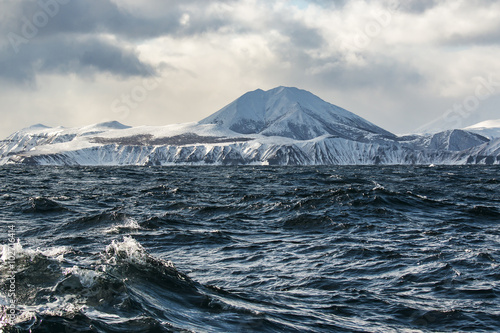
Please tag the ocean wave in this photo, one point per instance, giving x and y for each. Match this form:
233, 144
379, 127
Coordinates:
43, 205
323, 249
113, 218
484, 211
123, 286
308, 221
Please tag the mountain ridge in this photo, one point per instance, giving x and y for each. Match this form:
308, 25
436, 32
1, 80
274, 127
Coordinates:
281, 126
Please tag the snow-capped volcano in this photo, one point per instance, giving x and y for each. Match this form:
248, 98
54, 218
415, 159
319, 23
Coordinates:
282, 126
291, 113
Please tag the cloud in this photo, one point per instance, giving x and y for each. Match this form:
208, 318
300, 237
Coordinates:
407, 61
65, 55
99, 35
87, 17
124, 19
418, 6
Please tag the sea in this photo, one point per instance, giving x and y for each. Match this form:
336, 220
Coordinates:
250, 249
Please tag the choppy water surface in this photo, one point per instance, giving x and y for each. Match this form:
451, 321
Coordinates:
252, 249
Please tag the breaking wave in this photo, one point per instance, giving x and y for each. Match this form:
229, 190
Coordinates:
123, 287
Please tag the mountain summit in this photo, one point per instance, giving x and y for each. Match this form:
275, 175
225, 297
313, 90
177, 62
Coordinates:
291, 113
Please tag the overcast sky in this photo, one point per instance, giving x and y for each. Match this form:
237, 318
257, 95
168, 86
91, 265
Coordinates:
155, 62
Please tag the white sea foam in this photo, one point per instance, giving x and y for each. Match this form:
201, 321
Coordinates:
377, 186
129, 224
87, 277
18, 251
130, 250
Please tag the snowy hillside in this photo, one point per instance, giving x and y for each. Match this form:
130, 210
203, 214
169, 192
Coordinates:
282, 126
489, 128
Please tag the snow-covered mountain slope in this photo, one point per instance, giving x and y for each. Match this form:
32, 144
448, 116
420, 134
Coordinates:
42, 140
208, 144
489, 128
291, 113
455, 140
40, 135
261, 151
490, 151
278, 127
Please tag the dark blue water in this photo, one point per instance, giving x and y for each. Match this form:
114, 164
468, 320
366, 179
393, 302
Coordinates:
251, 249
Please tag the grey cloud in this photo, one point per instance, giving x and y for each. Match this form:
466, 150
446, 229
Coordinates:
421, 6
483, 38
329, 3
418, 6
413, 6
105, 16
89, 17
301, 37
381, 72
304, 37
83, 56
69, 42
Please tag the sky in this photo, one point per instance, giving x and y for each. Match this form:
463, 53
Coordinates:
399, 64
